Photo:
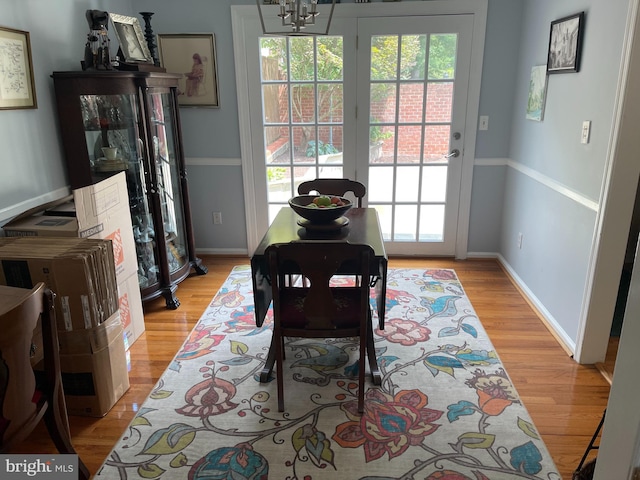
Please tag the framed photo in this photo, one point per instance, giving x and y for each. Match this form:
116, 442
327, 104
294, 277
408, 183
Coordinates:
131, 39
194, 57
565, 44
537, 93
17, 89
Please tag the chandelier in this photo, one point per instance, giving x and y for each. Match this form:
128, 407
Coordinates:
297, 16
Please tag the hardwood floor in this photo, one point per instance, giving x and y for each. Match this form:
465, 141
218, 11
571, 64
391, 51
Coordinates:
564, 399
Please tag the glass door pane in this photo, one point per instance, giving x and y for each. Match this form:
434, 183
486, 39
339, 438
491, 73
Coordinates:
301, 81
113, 121
165, 157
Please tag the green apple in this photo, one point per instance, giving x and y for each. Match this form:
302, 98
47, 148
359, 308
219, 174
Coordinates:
323, 201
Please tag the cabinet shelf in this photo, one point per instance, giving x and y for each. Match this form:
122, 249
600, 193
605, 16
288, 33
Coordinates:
117, 110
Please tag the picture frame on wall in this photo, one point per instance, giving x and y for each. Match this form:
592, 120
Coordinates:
537, 93
193, 56
132, 43
565, 44
17, 88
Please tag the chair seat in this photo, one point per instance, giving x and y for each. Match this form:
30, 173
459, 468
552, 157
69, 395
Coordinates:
346, 315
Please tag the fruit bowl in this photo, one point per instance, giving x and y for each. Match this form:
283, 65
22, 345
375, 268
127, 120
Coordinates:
300, 205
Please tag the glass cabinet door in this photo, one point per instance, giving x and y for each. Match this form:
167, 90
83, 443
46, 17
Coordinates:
165, 159
113, 135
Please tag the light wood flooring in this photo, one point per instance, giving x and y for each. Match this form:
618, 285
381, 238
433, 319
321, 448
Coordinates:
564, 399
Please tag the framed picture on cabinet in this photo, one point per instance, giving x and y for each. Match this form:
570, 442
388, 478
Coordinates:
131, 39
17, 89
565, 44
194, 57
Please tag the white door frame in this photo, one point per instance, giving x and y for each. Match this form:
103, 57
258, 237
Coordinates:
615, 212
619, 452
245, 19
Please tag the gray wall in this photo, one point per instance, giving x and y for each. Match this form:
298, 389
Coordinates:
31, 157
212, 143
555, 182
531, 178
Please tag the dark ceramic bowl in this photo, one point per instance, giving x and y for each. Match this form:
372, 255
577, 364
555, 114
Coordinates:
318, 215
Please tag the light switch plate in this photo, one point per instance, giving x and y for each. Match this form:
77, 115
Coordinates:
586, 131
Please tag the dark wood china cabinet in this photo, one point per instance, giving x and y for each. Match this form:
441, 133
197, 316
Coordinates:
137, 114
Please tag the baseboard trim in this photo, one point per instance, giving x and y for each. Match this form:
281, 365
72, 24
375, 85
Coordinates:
608, 376
543, 314
8, 213
234, 252
482, 255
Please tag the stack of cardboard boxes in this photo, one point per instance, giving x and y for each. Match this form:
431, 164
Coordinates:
94, 275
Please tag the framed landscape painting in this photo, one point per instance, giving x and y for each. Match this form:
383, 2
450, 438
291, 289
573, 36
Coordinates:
537, 93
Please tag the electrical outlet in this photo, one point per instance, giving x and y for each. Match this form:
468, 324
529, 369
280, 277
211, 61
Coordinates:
217, 218
520, 240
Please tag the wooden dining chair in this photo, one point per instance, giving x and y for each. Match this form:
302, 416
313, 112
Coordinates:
24, 401
333, 186
317, 308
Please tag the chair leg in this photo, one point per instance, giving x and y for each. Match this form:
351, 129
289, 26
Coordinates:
361, 368
58, 428
284, 356
279, 344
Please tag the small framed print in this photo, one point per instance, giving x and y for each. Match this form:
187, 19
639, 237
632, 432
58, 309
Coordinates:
565, 44
193, 56
537, 93
131, 39
17, 89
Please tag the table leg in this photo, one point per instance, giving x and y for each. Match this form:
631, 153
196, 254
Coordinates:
381, 294
371, 354
262, 294
265, 373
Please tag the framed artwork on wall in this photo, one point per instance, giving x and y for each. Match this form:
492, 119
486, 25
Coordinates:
194, 57
565, 44
17, 89
131, 39
537, 93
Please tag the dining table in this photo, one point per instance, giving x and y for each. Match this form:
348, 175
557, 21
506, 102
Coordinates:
362, 227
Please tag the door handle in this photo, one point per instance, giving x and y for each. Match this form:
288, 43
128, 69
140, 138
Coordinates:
454, 153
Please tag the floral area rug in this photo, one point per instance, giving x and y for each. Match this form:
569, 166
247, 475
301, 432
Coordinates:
446, 408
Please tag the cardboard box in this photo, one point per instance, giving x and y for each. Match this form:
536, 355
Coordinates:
42, 226
94, 368
131, 311
80, 272
102, 211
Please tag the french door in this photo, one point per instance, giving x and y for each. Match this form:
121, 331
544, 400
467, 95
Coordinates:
412, 87
381, 100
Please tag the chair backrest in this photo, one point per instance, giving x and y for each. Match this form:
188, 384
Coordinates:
333, 186
318, 262
17, 380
